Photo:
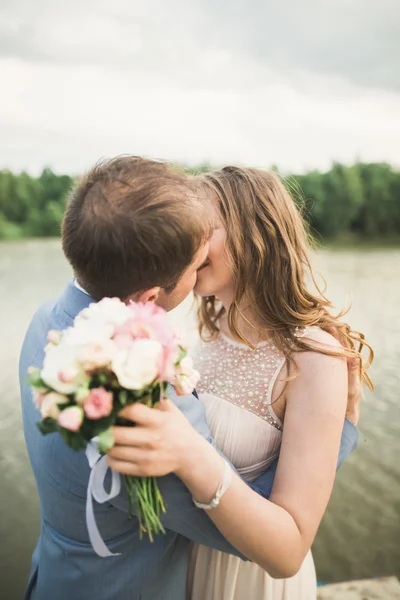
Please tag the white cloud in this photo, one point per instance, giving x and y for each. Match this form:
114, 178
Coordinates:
160, 79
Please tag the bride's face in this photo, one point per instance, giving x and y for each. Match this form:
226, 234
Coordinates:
215, 276
169, 300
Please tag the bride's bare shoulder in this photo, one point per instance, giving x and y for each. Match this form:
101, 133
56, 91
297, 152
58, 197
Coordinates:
321, 340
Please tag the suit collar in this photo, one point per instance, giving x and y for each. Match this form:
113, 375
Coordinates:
73, 300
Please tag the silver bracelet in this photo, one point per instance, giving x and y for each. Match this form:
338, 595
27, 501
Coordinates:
223, 486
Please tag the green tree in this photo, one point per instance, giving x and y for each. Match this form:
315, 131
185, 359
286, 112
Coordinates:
363, 200
380, 212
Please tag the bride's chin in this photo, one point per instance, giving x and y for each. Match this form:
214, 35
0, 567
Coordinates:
200, 290
203, 287
197, 290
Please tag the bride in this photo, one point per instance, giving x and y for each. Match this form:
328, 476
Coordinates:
273, 383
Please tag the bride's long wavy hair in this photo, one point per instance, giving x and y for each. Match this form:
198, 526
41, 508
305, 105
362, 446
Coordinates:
268, 245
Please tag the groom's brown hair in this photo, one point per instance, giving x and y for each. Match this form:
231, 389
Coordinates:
132, 224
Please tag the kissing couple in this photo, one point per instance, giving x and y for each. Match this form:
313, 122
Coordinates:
278, 397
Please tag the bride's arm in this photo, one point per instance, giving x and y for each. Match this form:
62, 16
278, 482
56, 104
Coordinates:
275, 533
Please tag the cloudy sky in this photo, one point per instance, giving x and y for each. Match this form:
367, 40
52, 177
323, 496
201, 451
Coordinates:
292, 83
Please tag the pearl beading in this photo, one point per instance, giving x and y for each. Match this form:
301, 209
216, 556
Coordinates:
237, 373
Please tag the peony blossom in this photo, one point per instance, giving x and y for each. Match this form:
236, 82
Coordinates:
150, 321
133, 329
98, 404
49, 405
71, 418
137, 367
61, 369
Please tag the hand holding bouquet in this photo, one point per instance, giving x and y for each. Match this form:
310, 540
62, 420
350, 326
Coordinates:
114, 354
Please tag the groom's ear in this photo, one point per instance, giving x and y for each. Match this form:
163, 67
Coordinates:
150, 295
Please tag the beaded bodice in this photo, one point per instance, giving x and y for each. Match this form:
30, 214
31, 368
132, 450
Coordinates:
235, 372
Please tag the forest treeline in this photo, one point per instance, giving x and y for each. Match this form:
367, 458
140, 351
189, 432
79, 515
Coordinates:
362, 201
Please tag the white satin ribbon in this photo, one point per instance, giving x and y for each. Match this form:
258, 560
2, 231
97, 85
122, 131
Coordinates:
99, 468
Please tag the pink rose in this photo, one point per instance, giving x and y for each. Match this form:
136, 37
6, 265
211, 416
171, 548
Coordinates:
71, 418
98, 404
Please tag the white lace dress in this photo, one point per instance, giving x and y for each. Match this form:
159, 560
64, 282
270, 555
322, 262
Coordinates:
236, 389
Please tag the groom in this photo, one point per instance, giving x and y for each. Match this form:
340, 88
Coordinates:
132, 229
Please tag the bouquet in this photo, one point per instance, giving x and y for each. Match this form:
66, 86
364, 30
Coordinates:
113, 355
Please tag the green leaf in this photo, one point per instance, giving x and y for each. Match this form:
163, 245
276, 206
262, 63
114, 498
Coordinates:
147, 400
77, 442
182, 354
34, 380
106, 440
92, 427
123, 397
156, 395
102, 377
73, 439
47, 426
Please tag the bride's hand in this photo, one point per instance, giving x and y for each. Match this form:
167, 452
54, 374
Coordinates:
163, 441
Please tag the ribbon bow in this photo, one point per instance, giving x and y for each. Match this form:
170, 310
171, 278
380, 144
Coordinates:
99, 468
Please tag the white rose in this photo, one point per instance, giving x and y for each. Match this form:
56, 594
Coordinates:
109, 311
61, 369
186, 376
138, 367
49, 406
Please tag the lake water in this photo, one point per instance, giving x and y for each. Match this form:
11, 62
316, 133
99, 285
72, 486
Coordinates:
360, 533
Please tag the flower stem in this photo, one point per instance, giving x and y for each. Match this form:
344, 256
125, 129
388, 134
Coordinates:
146, 502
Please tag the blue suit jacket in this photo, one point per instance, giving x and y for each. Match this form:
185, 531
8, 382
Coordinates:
64, 566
